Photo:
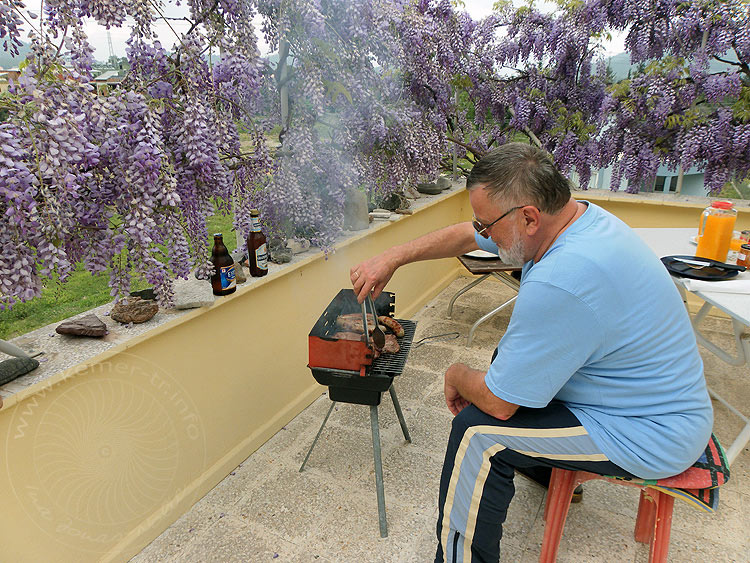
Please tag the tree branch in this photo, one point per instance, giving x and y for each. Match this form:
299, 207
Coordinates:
474, 150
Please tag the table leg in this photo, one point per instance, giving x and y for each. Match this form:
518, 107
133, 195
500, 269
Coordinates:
741, 344
743, 437
508, 280
460, 292
487, 316
742, 354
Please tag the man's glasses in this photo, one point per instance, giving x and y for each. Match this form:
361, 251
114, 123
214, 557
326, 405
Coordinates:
482, 229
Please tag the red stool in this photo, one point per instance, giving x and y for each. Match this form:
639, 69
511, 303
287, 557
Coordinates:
653, 524
698, 485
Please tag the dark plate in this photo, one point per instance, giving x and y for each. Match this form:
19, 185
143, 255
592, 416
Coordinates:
715, 272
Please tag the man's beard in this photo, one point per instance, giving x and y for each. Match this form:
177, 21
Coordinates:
513, 256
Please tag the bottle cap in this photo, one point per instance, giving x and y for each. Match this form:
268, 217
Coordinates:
254, 213
722, 204
218, 235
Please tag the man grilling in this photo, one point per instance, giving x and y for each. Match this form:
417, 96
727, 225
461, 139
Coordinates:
598, 369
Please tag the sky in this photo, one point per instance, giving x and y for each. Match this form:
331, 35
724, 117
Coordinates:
166, 31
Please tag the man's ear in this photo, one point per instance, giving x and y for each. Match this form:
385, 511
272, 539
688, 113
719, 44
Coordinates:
531, 219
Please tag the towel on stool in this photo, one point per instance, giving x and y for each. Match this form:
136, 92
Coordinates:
699, 484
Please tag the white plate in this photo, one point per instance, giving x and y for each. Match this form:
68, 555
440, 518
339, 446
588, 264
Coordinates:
482, 254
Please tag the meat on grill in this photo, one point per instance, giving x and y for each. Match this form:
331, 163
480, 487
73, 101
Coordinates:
392, 324
353, 323
349, 336
391, 345
350, 327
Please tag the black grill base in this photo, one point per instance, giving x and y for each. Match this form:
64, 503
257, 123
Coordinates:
349, 387
354, 396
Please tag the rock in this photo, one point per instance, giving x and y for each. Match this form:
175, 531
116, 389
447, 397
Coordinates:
16, 367
147, 294
391, 202
443, 183
429, 189
239, 256
12, 350
189, 294
411, 192
278, 252
90, 325
298, 245
134, 310
239, 273
355, 211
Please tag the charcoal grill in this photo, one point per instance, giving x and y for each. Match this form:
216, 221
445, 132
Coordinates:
354, 375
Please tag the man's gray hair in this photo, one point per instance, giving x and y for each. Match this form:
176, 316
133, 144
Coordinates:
521, 174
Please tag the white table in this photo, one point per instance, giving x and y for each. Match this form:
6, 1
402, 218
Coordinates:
666, 242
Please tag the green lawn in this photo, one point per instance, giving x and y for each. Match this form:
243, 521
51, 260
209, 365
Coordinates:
84, 291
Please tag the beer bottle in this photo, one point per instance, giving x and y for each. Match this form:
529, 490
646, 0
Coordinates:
222, 281
256, 247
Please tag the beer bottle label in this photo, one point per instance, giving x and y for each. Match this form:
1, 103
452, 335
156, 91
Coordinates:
227, 277
261, 257
255, 224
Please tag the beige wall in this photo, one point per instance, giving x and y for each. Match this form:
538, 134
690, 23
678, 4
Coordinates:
102, 458
645, 212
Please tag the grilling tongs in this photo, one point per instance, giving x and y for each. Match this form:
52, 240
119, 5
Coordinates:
378, 336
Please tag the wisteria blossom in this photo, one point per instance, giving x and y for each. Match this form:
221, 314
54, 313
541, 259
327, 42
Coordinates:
370, 95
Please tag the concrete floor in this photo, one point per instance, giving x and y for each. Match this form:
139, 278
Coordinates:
266, 510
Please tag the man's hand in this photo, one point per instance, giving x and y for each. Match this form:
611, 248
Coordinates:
465, 386
456, 403
372, 275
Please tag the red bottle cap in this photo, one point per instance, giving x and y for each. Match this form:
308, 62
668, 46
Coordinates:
722, 204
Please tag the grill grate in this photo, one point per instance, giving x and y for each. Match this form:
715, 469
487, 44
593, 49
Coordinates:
393, 364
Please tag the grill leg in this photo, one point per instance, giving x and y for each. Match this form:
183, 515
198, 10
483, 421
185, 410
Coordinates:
400, 415
378, 470
315, 441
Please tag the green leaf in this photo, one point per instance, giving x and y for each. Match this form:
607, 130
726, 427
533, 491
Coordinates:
334, 88
327, 49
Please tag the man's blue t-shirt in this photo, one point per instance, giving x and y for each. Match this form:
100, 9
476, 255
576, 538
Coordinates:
599, 325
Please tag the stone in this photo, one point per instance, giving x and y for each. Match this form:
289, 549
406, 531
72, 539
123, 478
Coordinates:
298, 245
278, 252
392, 202
443, 183
239, 256
12, 350
190, 294
16, 367
429, 189
239, 273
144, 294
90, 325
355, 211
134, 310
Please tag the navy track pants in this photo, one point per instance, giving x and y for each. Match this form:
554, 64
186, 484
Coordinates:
476, 485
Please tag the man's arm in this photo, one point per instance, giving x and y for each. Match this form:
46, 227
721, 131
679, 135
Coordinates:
465, 386
375, 273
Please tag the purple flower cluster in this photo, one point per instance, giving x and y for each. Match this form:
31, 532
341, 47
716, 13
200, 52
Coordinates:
379, 93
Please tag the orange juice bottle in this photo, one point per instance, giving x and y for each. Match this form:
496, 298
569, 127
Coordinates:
715, 230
